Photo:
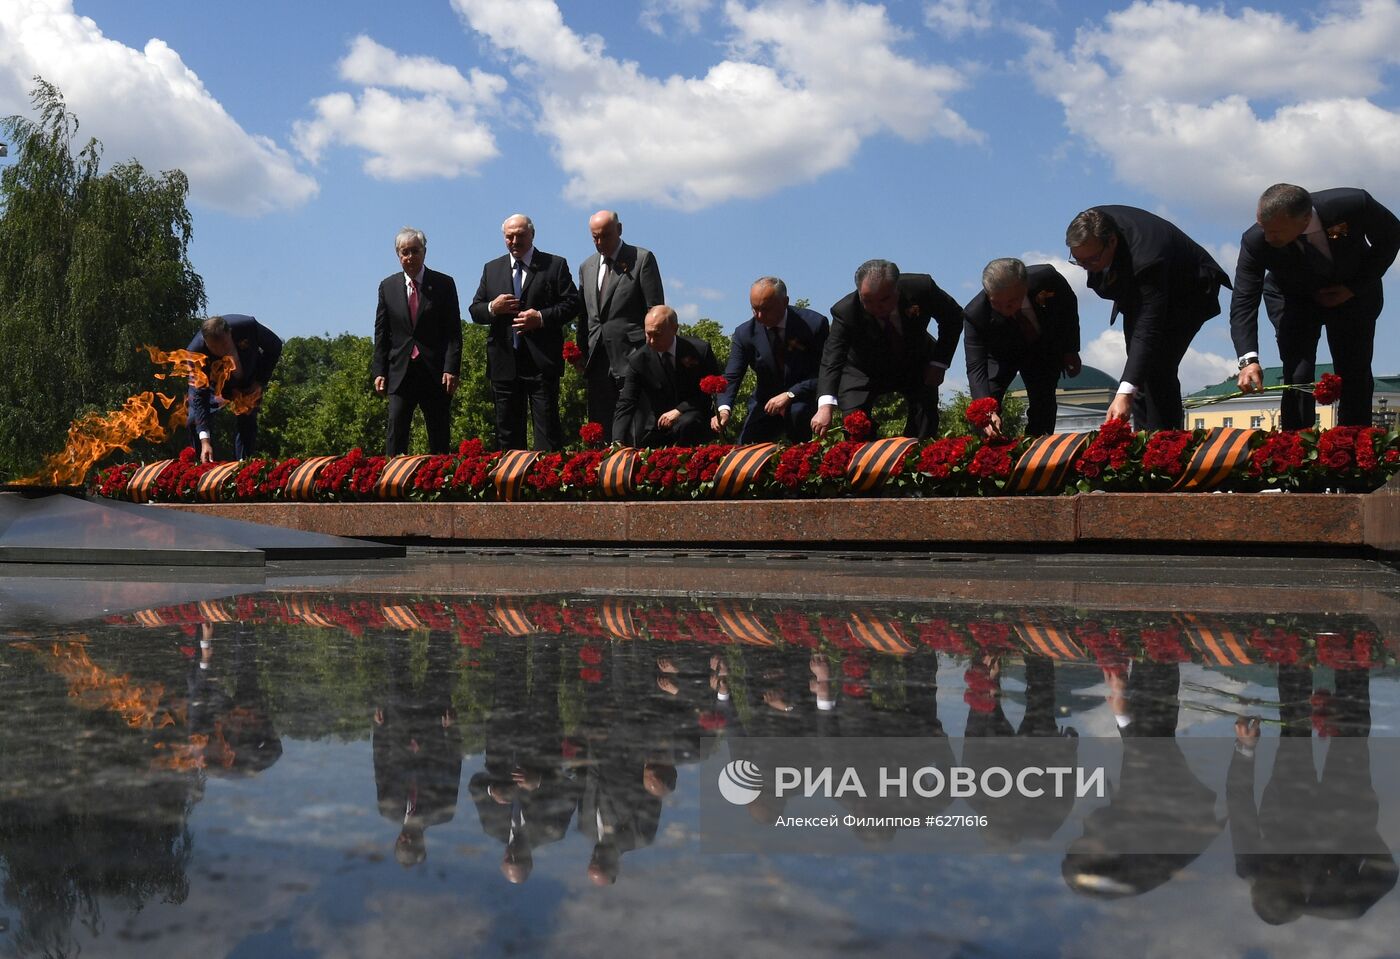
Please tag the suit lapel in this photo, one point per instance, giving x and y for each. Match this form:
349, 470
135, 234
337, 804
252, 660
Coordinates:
626, 256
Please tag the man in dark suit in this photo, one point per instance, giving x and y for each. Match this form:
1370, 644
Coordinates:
417, 345
618, 284
1325, 254
1165, 285
1025, 320
783, 346
661, 403
879, 344
526, 297
254, 350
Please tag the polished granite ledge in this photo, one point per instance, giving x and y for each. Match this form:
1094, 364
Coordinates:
1334, 522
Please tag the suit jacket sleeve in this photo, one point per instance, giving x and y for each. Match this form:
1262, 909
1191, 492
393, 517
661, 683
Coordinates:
269, 352
568, 301
1383, 235
1244, 299
1068, 332
480, 308
649, 276
949, 316
379, 366
807, 389
975, 353
834, 355
452, 316
734, 369
200, 398
1147, 326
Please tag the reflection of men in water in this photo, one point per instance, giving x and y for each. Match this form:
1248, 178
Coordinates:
255, 351
524, 796
1158, 804
1038, 741
417, 749
228, 714
1312, 847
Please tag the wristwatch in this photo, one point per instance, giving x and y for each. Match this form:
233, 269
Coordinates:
1249, 361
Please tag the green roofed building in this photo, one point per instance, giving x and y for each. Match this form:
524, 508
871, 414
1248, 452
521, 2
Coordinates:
1261, 411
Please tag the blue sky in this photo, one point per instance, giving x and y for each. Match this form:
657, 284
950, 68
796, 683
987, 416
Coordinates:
735, 137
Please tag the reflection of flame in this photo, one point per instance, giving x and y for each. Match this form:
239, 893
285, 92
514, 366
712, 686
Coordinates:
93, 435
95, 688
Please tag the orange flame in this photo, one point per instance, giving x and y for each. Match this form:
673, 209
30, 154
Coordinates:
93, 436
92, 687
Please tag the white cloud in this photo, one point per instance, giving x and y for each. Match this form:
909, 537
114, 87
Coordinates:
955, 17
686, 13
1209, 108
145, 104
806, 82
437, 132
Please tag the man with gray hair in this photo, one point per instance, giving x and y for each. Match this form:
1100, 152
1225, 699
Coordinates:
526, 297
1026, 321
417, 345
782, 344
1317, 259
880, 344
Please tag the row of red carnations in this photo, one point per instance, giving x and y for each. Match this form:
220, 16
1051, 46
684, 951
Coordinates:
1115, 459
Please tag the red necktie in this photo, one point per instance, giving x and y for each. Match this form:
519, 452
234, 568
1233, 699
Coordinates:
413, 312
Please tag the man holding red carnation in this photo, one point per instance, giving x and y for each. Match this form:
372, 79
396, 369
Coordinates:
662, 402
880, 344
1317, 261
1026, 321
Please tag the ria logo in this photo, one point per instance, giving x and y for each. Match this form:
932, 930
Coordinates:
740, 782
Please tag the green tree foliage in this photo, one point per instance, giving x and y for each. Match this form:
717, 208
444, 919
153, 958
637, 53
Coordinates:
92, 266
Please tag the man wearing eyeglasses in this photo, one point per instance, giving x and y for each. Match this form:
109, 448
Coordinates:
417, 345
1165, 285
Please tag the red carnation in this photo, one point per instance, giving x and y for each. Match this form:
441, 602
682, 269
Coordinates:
572, 354
713, 385
712, 722
591, 655
1328, 389
979, 413
857, 425
591, 433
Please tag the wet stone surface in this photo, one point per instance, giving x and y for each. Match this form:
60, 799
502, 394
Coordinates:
428, 756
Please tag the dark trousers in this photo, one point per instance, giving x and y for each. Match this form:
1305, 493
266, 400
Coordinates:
245, 435
922, 422
1351, 336
1040, 379
541, 394
795, 425
603, 390
1157, 404
420, 388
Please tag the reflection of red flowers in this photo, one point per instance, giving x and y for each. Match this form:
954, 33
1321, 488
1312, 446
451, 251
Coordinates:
1276, 645
591, 433
591, 655
1340, 651
979, 412
854, 690
713, 385
712, 721
1328, 389
1164, 645
857, 425
590, 675
1321, 702
572, 354
854, 667
981, 694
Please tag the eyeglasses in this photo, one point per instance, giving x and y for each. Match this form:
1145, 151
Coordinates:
1093, 260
